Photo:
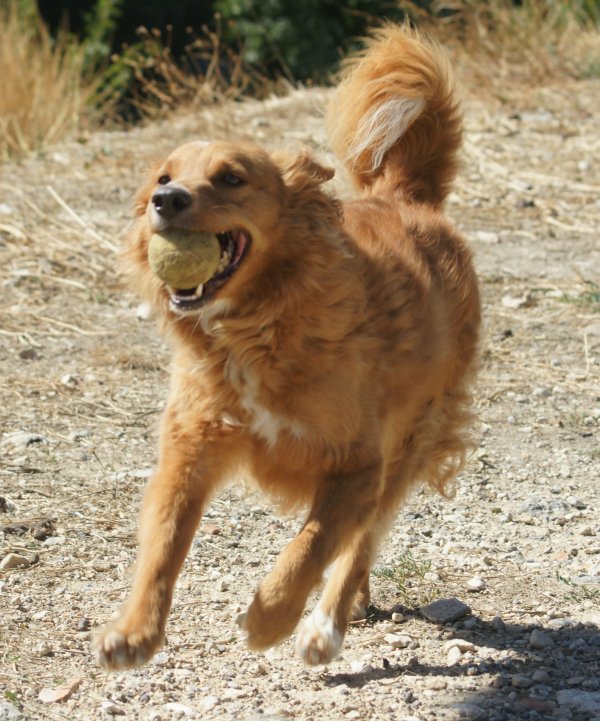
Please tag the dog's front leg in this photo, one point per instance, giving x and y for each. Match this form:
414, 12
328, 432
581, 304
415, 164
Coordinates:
190, 466
345, 505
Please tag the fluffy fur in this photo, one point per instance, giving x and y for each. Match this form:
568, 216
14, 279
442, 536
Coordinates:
333, 366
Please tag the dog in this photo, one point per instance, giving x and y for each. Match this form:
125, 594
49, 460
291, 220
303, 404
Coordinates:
332, 355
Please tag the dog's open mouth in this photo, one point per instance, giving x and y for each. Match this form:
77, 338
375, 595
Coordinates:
234, 246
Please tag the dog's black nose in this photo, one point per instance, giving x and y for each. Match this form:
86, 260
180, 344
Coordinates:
169, 201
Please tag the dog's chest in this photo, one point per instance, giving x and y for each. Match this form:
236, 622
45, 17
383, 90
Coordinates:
260, 411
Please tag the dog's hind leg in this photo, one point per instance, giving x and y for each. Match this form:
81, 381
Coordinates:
344, 507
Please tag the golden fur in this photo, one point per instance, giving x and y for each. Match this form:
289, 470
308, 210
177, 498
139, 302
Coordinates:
334, 364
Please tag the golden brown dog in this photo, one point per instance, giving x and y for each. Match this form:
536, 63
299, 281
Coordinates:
330, 355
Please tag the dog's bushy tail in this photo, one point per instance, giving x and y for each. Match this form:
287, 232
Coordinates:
394, 119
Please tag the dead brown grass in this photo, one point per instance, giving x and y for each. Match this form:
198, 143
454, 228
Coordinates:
43, 89
506, 45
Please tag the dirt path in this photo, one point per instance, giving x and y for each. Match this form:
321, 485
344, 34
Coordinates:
84, 379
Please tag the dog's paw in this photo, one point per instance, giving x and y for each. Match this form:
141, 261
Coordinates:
268, 624
117, 649
319, 641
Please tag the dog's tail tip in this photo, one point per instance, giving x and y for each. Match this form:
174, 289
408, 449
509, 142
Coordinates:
395, 115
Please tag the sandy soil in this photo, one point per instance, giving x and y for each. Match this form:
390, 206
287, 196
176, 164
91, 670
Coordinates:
84, 379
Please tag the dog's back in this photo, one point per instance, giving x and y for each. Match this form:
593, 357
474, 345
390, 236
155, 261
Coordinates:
395, 123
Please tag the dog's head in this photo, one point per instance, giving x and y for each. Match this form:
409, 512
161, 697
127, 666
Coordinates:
250, 200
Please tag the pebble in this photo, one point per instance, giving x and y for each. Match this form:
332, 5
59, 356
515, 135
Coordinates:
461, 644
519, 680
486, 236
14, 560
436, 683
476, 584
454, 656
398, 640
21, 439
445, 610
208, 703
180, 708
585, 702
112, 709
8, 712
398, 617
537, 704
540, 676
540, 640
498, 624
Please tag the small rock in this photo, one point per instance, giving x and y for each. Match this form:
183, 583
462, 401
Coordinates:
468, 712
518, 680
8, 712
22, 439
232, 694
55, 541
476, 584
398, 640
587, 702
454, 656
461, 644
14, 560
45, 649
6, 505
576, 502
398, 617
27, 354
540, 640
537, 704
486, 236
509, 301
436, 683
445, 610
498, 624
84, 624
161, 658
208, 703
112, 709
181, 709
541, 676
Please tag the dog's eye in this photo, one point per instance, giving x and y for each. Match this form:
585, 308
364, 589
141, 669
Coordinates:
164, 179
231, 179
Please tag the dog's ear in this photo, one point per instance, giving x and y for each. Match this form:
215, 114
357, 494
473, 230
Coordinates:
302, 168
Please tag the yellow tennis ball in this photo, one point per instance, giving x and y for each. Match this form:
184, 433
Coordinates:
184, 259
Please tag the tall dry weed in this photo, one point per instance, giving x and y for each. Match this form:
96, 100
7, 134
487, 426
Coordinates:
43, 92
527, 42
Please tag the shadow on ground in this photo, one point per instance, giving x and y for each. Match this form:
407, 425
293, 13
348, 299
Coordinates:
503, 677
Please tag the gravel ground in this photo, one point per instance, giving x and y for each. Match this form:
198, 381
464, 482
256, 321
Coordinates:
519, 546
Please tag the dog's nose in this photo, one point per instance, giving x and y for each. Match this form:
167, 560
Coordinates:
169, 201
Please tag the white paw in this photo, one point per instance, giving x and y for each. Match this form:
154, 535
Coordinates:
319, 641
114, 651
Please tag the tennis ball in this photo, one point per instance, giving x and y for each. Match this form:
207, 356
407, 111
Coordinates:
183, 258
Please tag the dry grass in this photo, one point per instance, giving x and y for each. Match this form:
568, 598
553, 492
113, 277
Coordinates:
527, 44
43, 90
498, 47
146, 80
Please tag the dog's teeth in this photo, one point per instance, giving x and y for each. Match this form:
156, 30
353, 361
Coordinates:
199, 291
